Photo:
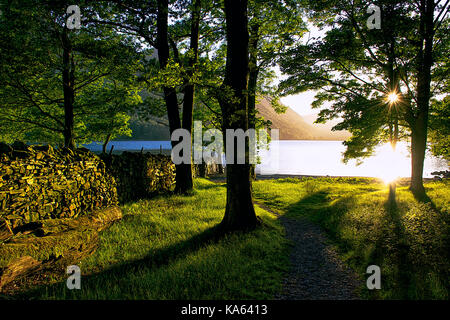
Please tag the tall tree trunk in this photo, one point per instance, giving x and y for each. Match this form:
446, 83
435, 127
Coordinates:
186, 184
424, 64
418, 148
239, 212
105, 143
68, 90
393, 119
252, 83
170, 95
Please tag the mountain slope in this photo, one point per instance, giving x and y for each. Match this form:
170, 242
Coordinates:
292, 126
326, 128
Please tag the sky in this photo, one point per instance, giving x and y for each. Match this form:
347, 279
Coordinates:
301, 103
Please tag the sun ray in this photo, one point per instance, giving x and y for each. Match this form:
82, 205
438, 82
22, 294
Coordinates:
392, 98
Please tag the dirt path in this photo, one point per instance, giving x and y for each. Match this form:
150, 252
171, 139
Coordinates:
316, 271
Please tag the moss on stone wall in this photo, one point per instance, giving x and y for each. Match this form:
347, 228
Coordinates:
140, 175
40, 182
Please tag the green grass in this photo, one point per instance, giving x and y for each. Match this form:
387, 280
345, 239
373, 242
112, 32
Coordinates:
165, 248
410, 242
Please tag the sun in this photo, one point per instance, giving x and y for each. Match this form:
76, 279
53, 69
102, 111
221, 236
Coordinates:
388, 177
392, 98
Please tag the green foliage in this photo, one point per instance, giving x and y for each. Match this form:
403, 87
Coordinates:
440, 128
354, 68
31, 90
274, 26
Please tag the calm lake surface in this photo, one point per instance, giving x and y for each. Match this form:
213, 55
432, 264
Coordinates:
321, 158
130, 145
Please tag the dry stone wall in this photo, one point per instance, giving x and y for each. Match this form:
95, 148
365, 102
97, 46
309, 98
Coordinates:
140, 175
40, 182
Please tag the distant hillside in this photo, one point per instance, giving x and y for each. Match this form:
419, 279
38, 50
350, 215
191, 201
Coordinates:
292, 126
326, 127
148, 130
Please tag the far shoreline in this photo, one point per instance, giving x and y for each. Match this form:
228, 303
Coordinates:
401, 180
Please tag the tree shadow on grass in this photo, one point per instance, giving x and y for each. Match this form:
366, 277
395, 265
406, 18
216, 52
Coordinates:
405, 246
401, 247
155, 259
386, 241
313, 203
424, 198
210, 186
330, 214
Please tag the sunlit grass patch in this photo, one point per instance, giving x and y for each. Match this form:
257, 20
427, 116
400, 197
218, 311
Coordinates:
410, 242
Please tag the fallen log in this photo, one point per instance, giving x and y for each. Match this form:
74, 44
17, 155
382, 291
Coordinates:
50, 244
17, 268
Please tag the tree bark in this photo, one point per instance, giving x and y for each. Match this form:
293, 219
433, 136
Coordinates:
170, 95
239, 212
420, 127
185, 170
252, 83
68, 90
418, 148
184, 179
105, 144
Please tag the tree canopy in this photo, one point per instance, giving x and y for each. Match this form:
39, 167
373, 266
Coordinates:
356, 68
32, 92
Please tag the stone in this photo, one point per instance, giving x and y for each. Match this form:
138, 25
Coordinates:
5, 230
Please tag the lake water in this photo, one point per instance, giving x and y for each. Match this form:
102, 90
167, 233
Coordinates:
321, 158
130, 145
324, 158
